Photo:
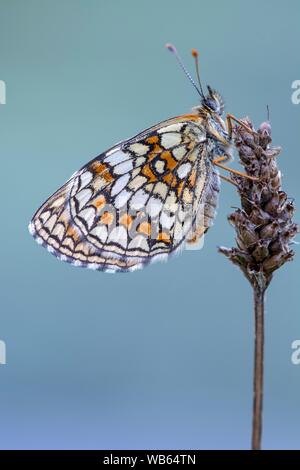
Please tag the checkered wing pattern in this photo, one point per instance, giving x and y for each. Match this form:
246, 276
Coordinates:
134, 204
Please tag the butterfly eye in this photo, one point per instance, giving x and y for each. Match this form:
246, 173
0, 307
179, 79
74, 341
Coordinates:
214, 101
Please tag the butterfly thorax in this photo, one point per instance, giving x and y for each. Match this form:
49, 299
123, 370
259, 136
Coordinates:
217, 137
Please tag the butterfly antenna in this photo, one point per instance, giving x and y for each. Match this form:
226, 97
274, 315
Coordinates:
174, 51
196, 57
268, 113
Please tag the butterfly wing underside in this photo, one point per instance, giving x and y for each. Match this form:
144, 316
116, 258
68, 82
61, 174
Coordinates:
136, 203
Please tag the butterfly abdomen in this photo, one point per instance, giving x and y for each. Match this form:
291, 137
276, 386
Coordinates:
207, 208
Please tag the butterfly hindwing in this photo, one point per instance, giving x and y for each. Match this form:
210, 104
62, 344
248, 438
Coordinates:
136, 203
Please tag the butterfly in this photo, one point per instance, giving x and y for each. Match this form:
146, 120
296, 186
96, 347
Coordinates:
146, 197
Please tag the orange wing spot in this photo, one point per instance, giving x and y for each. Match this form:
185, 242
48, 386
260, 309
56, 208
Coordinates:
154, 152
157, 149
145, 228
163, 237
71, 232
180, 188
192, 179
108, 177
98, 167
188, 117
106, 218
171, 162
126, 220
146, 171
152, 140
100, 202
170, 179
102, 170
195, 237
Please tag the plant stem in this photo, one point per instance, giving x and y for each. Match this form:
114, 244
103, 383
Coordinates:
259, 297
265, 231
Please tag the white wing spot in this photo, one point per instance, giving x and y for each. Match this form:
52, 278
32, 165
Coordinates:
139, 149
124, 167
116, 156
122, 198
170, 139
51, 222
161, 189
140, 161
88, 215
167, 220
93, 266
139, 242
58, 202
183, 170
45, 216
118, 235
153, 207
137, 182
100, 232
83, 197
31, 228
139, 199
172, 128
85, 179
179, 153
120, 184
160, 166
59, 231
77, 263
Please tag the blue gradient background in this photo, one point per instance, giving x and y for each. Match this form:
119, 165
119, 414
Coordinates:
160, 358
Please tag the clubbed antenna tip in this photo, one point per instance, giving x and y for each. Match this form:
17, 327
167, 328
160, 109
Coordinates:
171, 48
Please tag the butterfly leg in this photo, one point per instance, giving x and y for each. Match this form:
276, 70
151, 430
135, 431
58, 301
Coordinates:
228, 180
217, 161
230, 118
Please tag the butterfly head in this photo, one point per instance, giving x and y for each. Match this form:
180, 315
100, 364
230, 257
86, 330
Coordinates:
213, 102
